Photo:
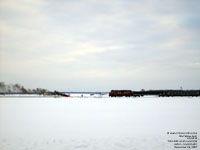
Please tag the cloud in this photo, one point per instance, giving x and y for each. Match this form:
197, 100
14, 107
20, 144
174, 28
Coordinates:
132, 44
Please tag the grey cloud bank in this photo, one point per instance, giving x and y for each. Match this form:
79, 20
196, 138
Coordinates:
100, 45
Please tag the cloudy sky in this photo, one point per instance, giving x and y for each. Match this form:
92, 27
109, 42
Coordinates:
99, 45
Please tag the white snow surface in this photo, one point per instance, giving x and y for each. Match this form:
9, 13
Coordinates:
95, 123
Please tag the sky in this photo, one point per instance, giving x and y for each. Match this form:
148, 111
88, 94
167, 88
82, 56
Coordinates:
99, 45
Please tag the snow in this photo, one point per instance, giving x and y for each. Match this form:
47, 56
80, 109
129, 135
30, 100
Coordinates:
95, 123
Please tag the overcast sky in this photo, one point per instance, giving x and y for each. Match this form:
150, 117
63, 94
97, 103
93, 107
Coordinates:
99, 45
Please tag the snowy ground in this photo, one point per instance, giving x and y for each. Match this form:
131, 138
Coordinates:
83, 95
95, 123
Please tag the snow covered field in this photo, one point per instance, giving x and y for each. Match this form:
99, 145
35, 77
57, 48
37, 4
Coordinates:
95, 123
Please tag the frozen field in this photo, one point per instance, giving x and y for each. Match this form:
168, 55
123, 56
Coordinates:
95, 123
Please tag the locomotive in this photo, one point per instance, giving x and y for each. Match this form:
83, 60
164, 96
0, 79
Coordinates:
120, 93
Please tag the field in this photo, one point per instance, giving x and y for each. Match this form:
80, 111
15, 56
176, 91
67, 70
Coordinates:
95, 123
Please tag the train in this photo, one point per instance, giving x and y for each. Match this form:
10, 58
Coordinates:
160, 93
